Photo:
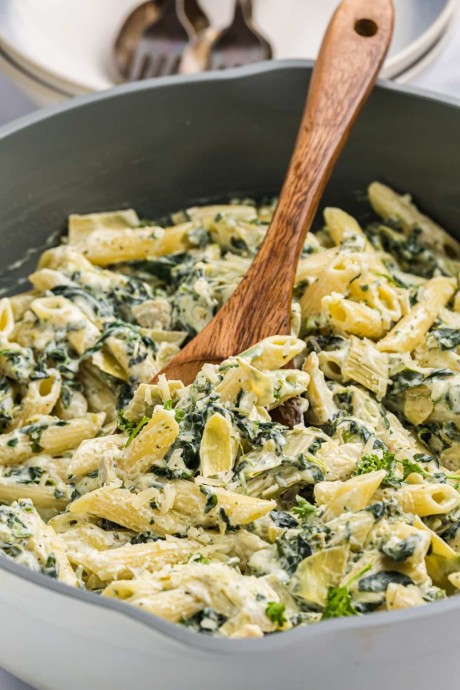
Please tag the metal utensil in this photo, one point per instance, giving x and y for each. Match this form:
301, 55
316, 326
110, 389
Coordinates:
195, 15
153, 37
240, 43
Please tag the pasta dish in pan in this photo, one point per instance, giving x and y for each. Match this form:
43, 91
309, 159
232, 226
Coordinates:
314, 476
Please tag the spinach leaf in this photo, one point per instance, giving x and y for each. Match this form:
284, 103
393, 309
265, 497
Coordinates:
378, 582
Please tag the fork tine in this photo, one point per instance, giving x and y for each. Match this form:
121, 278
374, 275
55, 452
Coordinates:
175, 63
140, 63
133, 66
154, 65
172, 64
215, 63
164, 65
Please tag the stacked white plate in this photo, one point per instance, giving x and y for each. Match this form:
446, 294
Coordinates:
56, 49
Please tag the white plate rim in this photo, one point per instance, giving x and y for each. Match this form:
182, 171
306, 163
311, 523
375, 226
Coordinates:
425, 60
20, 75
418, 48
394, 66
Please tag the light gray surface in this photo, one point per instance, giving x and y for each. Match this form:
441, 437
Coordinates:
443, 76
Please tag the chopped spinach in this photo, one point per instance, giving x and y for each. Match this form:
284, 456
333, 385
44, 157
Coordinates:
51, 567
211, 498
401, 550
378, 582
283, 519
291, 550
447, 338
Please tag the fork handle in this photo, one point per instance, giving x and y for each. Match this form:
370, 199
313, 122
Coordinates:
350, 58
171, 7
243, 9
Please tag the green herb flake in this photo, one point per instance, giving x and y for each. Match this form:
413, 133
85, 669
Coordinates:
275, 612
179, 414
199, 558
339, 603
374, 463
131, 428
304, 509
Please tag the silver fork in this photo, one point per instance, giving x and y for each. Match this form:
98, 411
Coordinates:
240, 43
161, 46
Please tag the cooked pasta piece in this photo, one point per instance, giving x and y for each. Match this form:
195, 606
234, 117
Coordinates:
351, 495
50, 435
336, 277
128, 509
413, 327
6, 318
367, 366
428, 499
126, 562
389, 204
152, 443
41, 397
353, 318
323, 407
90, 453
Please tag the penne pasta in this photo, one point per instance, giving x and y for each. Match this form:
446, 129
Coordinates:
313, 476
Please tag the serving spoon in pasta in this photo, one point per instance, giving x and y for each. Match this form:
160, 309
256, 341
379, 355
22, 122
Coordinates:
351, 54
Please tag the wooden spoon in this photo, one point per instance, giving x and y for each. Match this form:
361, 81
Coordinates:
352, 52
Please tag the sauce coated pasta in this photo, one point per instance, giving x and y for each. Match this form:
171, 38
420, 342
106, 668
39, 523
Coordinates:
314, 476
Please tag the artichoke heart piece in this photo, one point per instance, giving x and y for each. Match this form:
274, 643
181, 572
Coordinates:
441, 559
218, 446
258, 383
315, 574
151, 444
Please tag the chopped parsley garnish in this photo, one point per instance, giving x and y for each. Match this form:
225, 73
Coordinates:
389, 463
374, 463
339, 603
304, 508
199, 558
275, 612
131, 428
179, 414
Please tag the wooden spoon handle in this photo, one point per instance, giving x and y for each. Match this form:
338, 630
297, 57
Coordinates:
350, 58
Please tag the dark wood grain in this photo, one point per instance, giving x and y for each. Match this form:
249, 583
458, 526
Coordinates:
344, 74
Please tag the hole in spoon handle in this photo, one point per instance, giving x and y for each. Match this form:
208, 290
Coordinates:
366, 27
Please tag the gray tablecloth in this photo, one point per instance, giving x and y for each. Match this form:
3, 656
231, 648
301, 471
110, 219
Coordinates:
442, 76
